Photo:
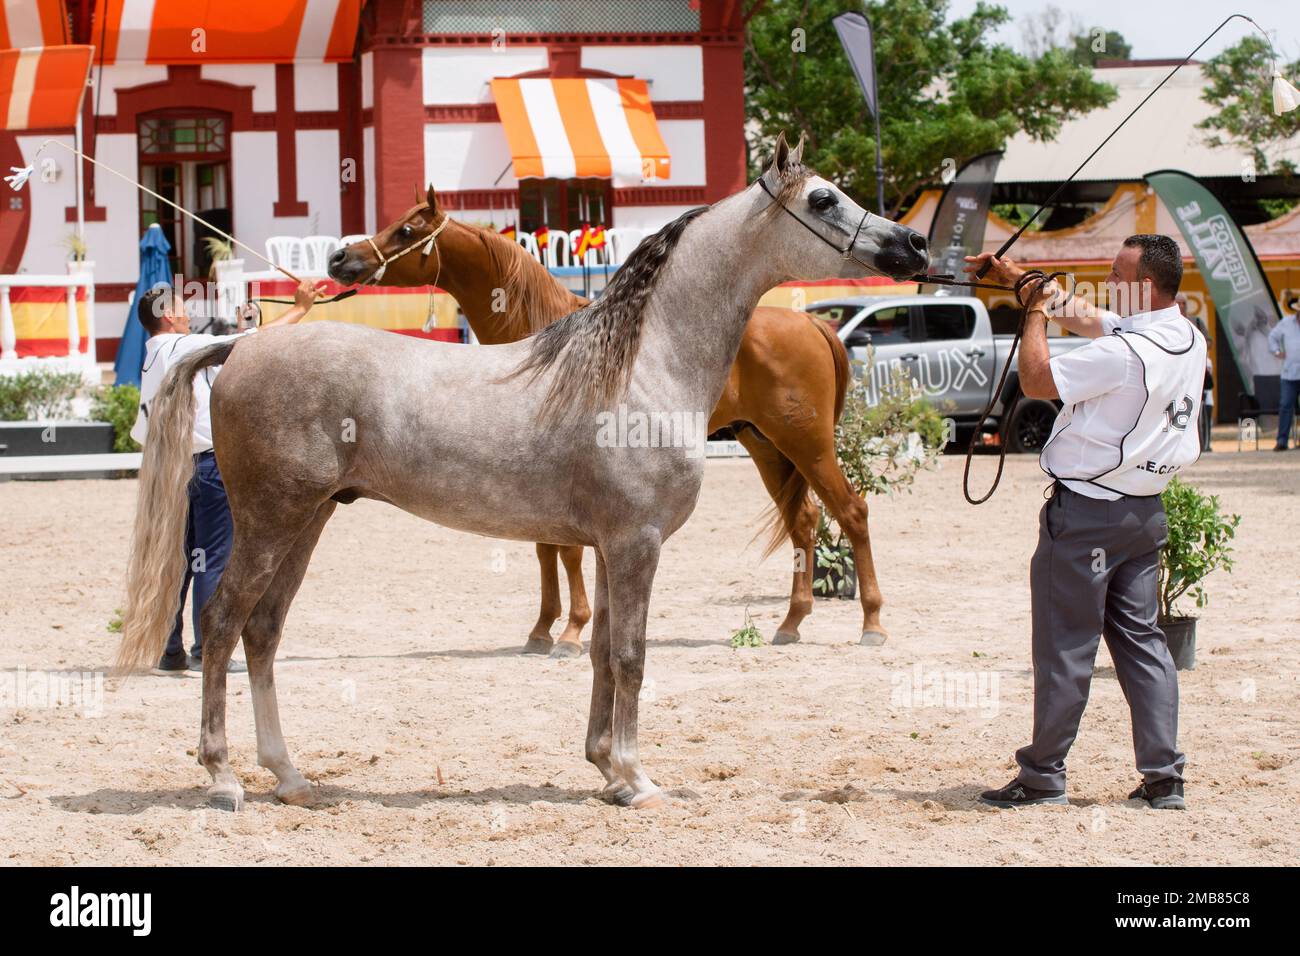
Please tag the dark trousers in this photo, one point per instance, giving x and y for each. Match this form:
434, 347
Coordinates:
1094, 575
209, 532
1286, 409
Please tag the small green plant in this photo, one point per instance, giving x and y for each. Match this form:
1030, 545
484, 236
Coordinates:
881, 445
40, 394
118, 405
115, 622
76, 247
1199, 543
747, 636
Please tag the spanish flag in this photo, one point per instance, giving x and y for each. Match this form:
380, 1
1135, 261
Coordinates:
543, 237
598, 237
584, 242
509, 232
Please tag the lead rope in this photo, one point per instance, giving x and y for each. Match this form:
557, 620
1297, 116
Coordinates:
1037, 278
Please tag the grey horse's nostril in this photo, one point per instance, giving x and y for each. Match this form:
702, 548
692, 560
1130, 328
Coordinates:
338, 258
917, 242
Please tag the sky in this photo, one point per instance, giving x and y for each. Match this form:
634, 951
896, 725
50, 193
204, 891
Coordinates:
1163, 29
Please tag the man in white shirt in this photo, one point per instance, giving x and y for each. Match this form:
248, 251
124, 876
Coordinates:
1131, 398
1284, 342
209, 530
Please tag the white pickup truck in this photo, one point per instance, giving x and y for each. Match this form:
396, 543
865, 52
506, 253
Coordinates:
948, 345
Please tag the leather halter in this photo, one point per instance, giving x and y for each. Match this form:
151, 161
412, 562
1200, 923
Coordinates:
426, 241
847, 251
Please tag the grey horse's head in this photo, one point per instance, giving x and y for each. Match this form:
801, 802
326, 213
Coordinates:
825, 232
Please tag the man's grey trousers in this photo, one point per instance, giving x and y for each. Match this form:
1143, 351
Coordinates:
1094, 574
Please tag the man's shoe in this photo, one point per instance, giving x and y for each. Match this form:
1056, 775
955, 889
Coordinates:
1166, 794
1016, 794
172, 665
235, 667
1279, 448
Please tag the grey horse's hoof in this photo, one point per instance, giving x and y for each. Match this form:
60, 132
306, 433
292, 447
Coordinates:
872, 638
618, 793
538, 645
226, 801
786, 637
567, 649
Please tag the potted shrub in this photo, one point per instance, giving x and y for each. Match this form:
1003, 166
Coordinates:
38, 417
1199, 543
881, 445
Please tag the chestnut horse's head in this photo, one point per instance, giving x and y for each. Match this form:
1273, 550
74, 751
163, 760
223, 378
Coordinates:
399, 254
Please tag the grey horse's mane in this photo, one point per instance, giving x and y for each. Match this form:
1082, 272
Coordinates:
594, 348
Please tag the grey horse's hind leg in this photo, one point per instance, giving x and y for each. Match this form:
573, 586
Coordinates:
261, 638
600, 720
630, 566
259, 548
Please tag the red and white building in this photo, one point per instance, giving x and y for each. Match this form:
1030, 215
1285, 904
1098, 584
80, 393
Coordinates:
322, 117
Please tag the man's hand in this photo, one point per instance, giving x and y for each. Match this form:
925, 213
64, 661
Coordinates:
1004, 271
305, 296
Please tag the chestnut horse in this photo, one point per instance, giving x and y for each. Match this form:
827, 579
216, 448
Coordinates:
783, 396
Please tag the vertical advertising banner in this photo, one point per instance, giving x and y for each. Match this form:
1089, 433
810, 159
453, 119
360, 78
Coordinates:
1245, 304
957, 229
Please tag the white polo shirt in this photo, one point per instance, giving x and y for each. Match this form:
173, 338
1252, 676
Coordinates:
161, 352
1129, 402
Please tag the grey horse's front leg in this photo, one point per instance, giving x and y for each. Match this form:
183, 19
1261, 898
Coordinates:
630, 566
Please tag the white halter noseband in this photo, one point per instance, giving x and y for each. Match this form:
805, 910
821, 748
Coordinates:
426, 241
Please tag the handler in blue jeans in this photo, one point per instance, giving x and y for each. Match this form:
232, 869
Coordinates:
1284, 342
209, 529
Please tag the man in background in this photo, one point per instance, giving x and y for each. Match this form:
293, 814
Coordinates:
209, 530
1284, 342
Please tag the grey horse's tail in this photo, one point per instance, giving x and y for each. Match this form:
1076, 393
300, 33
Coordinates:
157, 562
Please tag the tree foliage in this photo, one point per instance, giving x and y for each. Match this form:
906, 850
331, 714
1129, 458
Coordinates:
1240, 84
947, 91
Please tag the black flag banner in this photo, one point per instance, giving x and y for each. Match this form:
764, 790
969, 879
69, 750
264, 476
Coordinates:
957, 229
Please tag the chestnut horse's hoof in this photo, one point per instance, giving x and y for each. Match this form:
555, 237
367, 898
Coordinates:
538, 645
786, 637
567, 649
872, 638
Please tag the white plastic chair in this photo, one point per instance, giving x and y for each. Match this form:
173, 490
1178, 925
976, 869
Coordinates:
558, 250
316, 254
620, 243
353, 239
529, 242
286, 251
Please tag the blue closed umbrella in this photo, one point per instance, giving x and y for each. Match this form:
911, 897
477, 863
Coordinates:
155, 267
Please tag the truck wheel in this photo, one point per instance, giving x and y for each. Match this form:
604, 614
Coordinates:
1030, 426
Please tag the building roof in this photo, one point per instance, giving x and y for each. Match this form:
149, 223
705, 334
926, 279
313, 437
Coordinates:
1163, 135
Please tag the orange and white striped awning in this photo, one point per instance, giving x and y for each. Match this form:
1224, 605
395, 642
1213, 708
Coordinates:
42, 87
227, 31
574, 128
25, 23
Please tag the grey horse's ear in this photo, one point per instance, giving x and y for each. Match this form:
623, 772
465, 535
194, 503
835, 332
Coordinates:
796, 154
780, 155
431, 198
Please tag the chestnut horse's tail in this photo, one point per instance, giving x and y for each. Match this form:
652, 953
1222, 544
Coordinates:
157, 563
794, 492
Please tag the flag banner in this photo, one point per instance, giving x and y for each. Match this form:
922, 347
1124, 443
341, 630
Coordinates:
854, 30
957, 229
1243, 299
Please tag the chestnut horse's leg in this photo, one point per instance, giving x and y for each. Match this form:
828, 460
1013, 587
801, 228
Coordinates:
600, 722
850, 510
570, 642
776, 470
630, 566
261, 637
539, 641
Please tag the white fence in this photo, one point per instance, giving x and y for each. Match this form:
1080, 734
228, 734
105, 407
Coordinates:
74, 358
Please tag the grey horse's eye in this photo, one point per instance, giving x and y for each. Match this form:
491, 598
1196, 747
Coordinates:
822, 199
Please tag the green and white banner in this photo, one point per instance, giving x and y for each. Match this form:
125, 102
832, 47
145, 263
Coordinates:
1243, 300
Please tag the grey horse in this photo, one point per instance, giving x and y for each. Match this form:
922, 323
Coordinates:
504, 441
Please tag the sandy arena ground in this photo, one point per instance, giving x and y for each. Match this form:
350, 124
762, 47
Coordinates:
432, 741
